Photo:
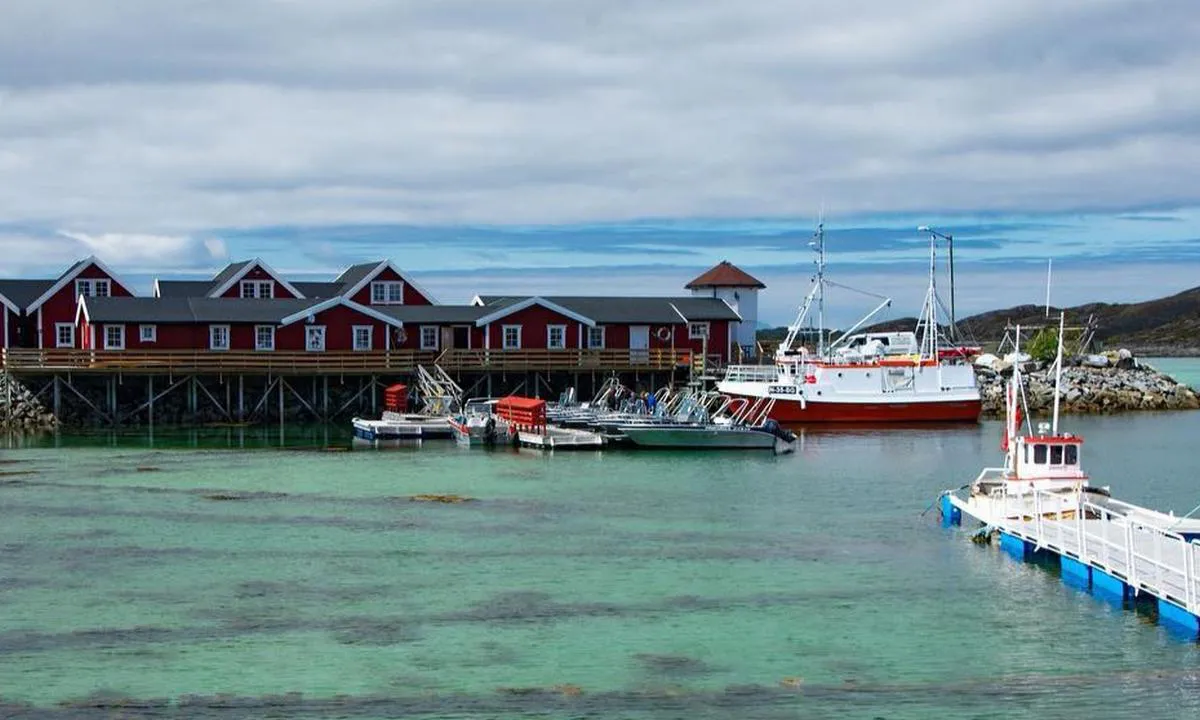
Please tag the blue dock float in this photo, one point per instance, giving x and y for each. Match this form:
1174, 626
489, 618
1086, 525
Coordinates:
951, 515
1116, 551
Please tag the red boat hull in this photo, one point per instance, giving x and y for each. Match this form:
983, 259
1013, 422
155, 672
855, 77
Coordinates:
790, 411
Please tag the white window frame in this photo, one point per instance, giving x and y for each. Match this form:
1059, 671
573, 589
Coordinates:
308, 347
58, 328
212, 331
591, 337
90, 287
108, 343
562, 344
698, 330
432, 331
148, 333
258, 346
504, 343
382, 292
358, 347
260, 289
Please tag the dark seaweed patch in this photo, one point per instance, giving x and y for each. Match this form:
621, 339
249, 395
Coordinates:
374, 632
675, 666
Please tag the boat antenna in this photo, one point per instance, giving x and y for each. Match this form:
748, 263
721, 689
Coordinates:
1049, 269
819, 238
1062, 319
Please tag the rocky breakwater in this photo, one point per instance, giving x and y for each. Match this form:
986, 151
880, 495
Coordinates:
1090, 386
20, 411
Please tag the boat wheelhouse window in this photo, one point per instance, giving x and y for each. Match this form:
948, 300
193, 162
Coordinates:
1071, 455
1056, 454
1039, 454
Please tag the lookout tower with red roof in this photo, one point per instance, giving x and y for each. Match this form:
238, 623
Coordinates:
739, 290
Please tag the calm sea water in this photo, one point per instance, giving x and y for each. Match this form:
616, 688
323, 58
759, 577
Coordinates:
196, 579
1185, 370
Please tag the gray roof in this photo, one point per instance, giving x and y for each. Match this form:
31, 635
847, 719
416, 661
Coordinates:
624, 310
192, 309
228, 273
184, 288
441, 314
318, 289
355, 274
24, 292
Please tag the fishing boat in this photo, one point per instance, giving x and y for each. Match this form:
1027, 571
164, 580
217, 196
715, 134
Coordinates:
478, 424
871, 377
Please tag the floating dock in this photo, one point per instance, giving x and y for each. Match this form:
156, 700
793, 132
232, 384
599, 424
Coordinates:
556, 438
1114, 549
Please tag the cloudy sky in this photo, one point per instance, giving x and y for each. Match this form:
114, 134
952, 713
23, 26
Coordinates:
608, 146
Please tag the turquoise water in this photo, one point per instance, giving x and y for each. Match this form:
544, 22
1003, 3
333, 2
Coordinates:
198, 579
1185, 370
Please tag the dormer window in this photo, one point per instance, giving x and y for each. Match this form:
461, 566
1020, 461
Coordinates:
263, 289
387, 293
93, 288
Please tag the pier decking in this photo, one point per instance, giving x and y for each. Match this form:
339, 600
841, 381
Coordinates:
1110, 547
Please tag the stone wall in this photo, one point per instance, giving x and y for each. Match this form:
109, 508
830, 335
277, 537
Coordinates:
20, 411
1089, 390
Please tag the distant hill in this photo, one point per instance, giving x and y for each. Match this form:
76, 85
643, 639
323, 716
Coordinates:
1167, 326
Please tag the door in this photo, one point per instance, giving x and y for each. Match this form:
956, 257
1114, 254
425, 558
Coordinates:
462, 337
447, 338
639, 343
314, 338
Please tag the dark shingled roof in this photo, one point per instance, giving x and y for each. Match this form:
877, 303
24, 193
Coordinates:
192, 310
318, 289
184, 288
24, 292
355, 274
228, 273
441, 314
625, 310
725, 274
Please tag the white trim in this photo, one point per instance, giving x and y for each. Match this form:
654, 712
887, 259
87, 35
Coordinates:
5, 343
324, 337
93, 284
334, 302
40, 333
436, 337
386, 285
250, 265
385, 265
603, 338
504, 338
476, 301
62, 282
58, 326
80, 308
142, 333
228, 338
707, 330
91, 336
370, 338
550, 328
258, 285
530, 302
264, 349
9, 304
114, 326
157, 291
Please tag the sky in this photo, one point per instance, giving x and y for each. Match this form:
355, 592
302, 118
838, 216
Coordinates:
610, 146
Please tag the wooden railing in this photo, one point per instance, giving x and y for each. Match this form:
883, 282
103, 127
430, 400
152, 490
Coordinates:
19, 360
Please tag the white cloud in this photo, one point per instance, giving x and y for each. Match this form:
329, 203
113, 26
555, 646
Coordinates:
252, 112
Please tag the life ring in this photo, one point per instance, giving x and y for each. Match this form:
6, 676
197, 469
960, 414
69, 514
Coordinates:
664, 333
401, 336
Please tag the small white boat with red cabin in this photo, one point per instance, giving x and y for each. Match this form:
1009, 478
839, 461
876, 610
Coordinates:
863, 377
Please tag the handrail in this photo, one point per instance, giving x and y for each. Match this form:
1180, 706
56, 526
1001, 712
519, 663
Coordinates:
114, 361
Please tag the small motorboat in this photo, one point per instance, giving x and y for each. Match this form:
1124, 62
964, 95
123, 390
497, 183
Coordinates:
478, 425
711, 436
402, 426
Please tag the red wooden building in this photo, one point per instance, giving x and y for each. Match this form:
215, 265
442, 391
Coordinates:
41, 313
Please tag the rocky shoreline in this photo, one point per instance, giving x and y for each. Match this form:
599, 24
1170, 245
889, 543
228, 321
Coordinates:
20, 411
1127, 387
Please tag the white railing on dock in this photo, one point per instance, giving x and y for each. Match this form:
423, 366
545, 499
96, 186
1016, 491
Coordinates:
1118, 538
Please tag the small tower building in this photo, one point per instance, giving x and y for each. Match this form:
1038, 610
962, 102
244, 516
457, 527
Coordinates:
739, 290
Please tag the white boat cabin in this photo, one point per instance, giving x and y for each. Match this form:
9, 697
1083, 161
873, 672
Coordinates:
1047, 457
879, 344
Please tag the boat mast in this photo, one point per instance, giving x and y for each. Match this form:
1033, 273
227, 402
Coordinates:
1062, 319
819, 239
1012, 421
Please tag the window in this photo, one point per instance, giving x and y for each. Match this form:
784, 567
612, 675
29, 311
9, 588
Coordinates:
387, 293
264, 337
429, 337
1039, 454
1056, 454
512, 337
556, 337
363, 337
64, 335
264, 289
218, 337
595, 338
93, 288
148, 333
314, 338
1071, 455
114, 337
698, 330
